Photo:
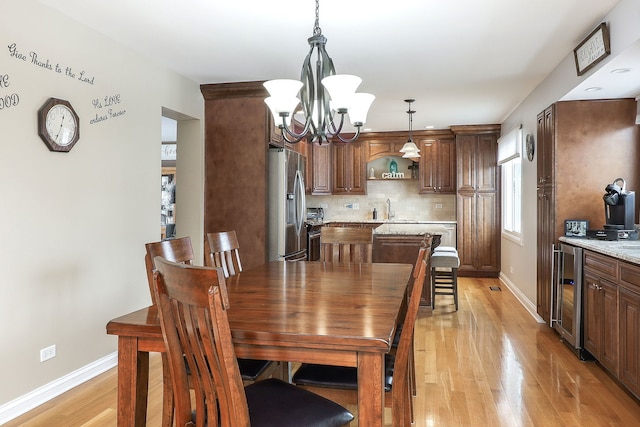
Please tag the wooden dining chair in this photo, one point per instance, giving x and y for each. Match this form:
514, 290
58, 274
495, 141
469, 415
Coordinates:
181, 251
177, 250
193, 318
224, 252
340, 384
346, 244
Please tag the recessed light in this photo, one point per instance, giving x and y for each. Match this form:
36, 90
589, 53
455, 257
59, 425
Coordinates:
593, 89
429, 127
620, 70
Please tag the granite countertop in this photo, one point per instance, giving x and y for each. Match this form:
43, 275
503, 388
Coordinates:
386, 221
412, 229
626, 250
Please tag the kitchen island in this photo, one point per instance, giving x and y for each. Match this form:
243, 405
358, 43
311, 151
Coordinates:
400, 243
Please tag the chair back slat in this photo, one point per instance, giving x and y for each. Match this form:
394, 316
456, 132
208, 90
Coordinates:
176, 250
195, 327
224, 252
346, 244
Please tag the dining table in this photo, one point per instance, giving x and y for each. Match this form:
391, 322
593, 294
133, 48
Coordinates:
306, 312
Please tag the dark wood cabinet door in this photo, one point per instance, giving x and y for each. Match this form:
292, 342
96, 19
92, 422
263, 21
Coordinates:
321, 178
544, 252
446, 179
487, 247
467, 243
630, 340
548, 147
610, 344
466, 162
592, 315
485, 165
437, 166
428, 162
349, 168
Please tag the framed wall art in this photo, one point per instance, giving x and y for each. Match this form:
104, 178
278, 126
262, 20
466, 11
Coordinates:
592, 50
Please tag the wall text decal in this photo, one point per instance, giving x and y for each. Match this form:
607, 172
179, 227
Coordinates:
109, 102
46, 64
7, 100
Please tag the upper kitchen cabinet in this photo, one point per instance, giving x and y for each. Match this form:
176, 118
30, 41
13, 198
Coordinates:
476, 161
349, 168
437, 165
320, 169
238, 130
545, 144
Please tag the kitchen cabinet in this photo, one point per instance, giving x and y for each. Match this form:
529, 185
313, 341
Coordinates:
238, 130
601, 319
401, 249
612, 316
437, 166
349, 168
320, 169
477, 200
575, 137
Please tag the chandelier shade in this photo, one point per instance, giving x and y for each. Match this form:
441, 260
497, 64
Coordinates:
325, 97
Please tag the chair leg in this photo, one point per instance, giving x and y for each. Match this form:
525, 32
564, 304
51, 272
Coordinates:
167, 393
454, 274
433, 288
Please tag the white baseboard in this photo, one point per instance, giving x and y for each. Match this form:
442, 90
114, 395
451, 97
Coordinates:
522, 298
37, 397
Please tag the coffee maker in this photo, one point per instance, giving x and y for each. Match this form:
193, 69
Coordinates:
619, 206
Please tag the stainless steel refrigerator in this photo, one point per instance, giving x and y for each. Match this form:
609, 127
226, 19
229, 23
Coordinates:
287, 211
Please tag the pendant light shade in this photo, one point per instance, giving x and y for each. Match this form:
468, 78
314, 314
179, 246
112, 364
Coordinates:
410, 150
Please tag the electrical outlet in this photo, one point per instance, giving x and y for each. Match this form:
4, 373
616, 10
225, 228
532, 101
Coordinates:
511, 270
356, 206
438, 205
48, 353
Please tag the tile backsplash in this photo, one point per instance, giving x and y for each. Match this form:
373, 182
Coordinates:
406, 203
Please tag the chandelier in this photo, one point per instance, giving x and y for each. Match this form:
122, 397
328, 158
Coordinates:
410, 150
324, 95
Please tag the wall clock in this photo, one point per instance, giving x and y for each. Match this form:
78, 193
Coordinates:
58, 125
530, 147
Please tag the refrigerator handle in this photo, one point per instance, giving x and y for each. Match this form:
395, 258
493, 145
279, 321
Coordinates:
299, 192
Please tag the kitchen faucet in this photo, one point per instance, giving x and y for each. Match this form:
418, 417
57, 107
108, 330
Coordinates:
389, 213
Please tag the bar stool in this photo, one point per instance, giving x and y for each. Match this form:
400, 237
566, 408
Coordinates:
444, 275
445, 249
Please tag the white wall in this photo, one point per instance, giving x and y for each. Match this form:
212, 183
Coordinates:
624, 31
74, 224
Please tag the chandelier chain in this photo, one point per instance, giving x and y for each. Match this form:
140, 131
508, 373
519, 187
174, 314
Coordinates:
316, 28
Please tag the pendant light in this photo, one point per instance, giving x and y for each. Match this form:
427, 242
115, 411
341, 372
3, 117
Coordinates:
410, 150
324, 95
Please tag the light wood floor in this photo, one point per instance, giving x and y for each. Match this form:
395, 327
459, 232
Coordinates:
489, 364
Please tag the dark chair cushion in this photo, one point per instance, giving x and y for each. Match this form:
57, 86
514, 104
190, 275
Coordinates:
339, 377
273, 402
250, 369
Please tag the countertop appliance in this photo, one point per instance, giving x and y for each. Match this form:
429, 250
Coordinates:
619, 207
287, 234
566, 296
315, 221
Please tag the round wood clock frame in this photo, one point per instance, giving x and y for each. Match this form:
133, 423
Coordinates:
58, 125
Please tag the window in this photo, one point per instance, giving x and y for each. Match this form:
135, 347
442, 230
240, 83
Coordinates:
511, 198
509, 158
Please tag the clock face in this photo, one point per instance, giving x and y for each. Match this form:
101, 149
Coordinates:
61, 125
58, 125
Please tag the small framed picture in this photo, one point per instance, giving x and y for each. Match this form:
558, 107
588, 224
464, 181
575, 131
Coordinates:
576, 227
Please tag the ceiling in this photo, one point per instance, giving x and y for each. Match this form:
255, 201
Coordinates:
464, 61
